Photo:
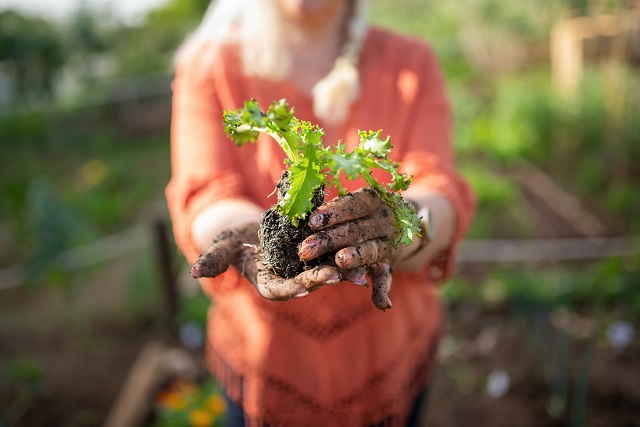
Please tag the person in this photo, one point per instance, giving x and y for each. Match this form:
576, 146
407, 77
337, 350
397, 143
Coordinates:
295, 352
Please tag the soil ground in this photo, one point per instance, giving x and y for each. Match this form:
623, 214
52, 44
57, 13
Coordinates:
459, 397
87, 360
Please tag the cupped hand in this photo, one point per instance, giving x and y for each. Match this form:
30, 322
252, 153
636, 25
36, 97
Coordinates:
358, 228
239, 247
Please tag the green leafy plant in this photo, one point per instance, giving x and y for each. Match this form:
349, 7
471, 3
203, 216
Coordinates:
21, 388
312, 166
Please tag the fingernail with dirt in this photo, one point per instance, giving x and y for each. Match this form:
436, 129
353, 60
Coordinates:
343, 259
196, 271
317, 221
302, 292
360, 280
333, 279
308, 249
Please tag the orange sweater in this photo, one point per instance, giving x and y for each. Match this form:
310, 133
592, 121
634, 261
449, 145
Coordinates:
332, 358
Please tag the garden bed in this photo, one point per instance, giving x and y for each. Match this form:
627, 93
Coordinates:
481, 342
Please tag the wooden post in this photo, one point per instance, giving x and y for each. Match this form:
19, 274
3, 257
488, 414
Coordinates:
562, 343
165, 261
576, 334
134, 400
155, 364
588, 39
586, 335
566, 57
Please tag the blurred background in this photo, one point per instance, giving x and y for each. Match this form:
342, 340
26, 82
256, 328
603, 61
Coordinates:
100, 323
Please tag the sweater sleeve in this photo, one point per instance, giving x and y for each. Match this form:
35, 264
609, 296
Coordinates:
428, 152
203, 164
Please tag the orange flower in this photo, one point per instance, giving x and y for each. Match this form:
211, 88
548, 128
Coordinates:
216, 404
171, 400
200, 418
184, 387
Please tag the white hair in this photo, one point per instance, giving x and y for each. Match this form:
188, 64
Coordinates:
255, 26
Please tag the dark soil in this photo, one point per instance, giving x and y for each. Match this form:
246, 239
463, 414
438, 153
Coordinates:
86, 365
83, 367
280, 238
458, 394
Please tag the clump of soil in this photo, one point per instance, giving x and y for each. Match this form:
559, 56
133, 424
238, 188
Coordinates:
279, 238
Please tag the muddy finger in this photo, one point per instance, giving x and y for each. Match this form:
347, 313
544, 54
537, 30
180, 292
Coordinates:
343, 235
356, 275
319, 276
276, 288
381, 277
346, 208
217, 258
365, 253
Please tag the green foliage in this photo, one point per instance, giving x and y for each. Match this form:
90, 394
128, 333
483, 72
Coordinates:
53, 227
606, 286
84, 32
489, 186
520, 120
614, 283
604, 121
598, 129
172, 12
21, 386
54, 167
502, 212
152, 51
309, 163
31, 50
150, 47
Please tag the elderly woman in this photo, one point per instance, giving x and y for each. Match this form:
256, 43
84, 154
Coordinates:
330, 357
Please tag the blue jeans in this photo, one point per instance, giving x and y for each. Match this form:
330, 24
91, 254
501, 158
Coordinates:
235, 413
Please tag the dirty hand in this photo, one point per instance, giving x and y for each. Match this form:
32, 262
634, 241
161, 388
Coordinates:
239, 247
358, 227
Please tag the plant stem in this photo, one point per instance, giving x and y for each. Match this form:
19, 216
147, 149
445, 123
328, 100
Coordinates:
283, 141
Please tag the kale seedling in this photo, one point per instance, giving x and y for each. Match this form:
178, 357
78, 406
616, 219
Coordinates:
310, 167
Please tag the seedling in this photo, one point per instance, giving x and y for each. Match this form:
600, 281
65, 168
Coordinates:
310, 168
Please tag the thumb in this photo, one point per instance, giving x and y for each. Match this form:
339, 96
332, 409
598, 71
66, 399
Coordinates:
217, 258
